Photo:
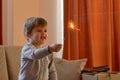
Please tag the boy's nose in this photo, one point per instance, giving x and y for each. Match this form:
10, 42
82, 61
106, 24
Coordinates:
43, 33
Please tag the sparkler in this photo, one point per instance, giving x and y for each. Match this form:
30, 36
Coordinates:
72, 26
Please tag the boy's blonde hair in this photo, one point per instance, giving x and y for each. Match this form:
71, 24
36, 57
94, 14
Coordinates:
33, 22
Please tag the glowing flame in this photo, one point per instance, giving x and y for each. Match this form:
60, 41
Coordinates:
72, 26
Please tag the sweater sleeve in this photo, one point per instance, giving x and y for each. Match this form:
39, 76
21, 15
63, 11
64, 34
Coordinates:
32, 53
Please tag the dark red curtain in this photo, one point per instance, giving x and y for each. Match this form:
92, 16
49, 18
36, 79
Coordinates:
1, 22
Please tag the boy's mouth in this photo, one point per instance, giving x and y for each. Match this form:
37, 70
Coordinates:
43, 37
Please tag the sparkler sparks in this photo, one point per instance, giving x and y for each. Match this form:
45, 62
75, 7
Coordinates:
72, 26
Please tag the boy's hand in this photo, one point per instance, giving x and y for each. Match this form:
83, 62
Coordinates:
54, 47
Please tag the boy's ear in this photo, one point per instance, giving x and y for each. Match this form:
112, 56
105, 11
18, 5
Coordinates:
27, 35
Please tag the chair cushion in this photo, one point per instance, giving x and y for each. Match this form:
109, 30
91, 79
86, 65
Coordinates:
69, 69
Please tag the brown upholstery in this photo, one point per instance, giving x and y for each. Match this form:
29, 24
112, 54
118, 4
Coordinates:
3, 67
13, 61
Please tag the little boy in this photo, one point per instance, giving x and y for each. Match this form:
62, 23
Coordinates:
36, 60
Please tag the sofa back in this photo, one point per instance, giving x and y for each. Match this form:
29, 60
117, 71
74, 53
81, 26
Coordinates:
10, 59
13, 54
10, 65
3, 65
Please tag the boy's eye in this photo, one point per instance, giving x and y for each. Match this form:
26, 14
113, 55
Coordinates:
41, 30
45, 31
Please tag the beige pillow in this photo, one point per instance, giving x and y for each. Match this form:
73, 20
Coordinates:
69, 69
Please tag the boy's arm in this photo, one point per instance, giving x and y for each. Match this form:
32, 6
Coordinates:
31, 53
52, 69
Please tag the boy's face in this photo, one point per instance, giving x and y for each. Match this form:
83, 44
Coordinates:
38, 35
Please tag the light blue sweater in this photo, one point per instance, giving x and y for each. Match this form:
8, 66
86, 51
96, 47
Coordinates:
36, 64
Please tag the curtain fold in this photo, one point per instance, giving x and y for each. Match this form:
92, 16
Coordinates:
99, 35
1, 22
